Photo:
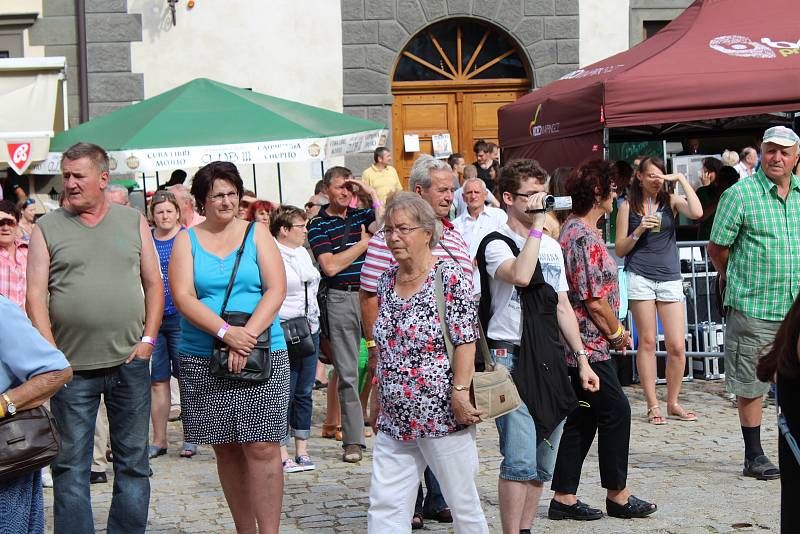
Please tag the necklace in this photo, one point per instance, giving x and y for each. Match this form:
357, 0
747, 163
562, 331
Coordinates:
415, 277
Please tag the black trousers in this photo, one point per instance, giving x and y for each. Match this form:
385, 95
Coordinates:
608, 415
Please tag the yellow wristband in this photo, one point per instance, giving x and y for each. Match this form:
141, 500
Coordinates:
2, 410
370, 343
616, 334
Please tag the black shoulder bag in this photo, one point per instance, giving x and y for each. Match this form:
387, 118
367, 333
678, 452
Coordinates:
29, 441
297, 332
259, 362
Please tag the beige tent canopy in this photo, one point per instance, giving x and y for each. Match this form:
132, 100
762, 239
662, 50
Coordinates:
33, 107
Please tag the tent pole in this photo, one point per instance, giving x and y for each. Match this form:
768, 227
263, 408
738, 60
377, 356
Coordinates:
157, 184
255, 182
280, 186
144, 187
606, 154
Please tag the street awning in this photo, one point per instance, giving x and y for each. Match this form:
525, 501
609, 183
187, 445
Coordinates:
32, 108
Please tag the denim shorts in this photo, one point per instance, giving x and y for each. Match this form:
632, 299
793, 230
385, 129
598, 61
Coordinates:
523, 460
643, 288
165, 361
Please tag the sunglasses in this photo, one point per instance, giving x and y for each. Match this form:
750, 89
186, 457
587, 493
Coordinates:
8, 222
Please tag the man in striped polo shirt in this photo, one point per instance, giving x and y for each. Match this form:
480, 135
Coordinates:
431, 179
338, 237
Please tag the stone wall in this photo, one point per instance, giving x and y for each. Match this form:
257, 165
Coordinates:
109, 32
374, 33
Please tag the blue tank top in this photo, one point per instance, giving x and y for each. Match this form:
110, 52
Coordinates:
211, 276
655, 255
164, 249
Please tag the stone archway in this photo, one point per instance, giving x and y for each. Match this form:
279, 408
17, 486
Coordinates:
375, 32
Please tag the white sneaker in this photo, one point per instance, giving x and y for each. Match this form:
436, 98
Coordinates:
47, 478
290, 466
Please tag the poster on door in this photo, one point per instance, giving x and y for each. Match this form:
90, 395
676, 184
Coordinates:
442, 145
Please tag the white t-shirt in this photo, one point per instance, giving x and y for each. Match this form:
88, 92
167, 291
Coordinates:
505, 323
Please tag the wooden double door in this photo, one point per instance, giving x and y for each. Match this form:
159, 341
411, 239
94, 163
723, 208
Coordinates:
467, 116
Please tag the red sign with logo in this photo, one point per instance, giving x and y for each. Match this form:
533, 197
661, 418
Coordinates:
19, 156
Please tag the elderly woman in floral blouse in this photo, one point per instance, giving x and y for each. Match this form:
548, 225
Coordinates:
423, 415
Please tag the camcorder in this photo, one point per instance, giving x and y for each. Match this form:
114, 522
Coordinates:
552, 203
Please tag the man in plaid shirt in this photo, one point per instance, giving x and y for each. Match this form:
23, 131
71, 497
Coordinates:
755, 246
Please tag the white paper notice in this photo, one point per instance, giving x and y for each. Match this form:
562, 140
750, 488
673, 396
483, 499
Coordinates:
442, 146
411, 142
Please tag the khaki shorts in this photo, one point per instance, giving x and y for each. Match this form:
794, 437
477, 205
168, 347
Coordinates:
746, 340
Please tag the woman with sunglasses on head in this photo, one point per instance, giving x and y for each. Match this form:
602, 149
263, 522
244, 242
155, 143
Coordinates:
165, 213
13, 255
288, 227
646, 225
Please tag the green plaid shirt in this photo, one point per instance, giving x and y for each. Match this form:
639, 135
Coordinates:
763, 233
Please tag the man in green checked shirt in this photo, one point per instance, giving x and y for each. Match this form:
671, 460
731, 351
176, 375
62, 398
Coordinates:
755, 246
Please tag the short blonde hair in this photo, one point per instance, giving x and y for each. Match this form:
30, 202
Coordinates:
730, 158
419, 210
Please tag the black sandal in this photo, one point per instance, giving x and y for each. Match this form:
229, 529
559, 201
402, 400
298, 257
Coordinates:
635, 507
417, 522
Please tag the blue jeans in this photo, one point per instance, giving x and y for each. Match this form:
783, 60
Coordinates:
434, 502
126, 389
302, 373
523, 459
165, 361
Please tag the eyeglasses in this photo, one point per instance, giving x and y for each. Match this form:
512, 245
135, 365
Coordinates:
526, 195
298, 225
387, 231
219, 197
8, 222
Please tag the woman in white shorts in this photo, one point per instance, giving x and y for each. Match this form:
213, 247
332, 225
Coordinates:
646, 225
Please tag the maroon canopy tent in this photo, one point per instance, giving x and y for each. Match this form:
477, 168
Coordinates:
711, 62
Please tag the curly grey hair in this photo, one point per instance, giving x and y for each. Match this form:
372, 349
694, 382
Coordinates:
415, 207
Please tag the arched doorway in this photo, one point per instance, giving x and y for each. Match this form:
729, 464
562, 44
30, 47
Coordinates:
451, 78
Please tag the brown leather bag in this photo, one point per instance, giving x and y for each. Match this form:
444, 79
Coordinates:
29, 441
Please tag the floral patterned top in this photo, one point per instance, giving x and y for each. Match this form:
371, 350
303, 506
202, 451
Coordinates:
591, 273
413, 373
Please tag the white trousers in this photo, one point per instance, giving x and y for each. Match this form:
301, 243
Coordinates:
396, 470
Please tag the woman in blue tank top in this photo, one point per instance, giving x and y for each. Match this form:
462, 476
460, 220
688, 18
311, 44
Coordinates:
646, 225
243, 421
164, 364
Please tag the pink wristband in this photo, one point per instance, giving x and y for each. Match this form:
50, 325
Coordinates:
376, 205
149, 340
223, 329
535, 233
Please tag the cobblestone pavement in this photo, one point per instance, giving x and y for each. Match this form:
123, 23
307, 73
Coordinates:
691, 470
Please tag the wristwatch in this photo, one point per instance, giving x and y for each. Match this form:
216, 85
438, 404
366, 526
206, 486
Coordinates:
11, 409
578, 353
370, 343
459, 387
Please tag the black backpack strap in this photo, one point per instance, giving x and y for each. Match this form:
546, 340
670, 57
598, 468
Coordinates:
485, 303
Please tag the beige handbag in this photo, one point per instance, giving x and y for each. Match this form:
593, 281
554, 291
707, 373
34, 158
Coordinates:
492, 391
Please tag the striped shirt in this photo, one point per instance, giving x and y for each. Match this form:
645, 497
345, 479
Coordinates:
763, 233
325, 235
12, 274
379, 257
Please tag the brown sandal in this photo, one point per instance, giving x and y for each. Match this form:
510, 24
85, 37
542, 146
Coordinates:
680, 414
654, 417
332, 432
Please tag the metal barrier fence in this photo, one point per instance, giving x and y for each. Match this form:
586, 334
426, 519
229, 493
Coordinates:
705, 326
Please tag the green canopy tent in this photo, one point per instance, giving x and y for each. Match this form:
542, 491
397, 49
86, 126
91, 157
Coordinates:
203, 121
